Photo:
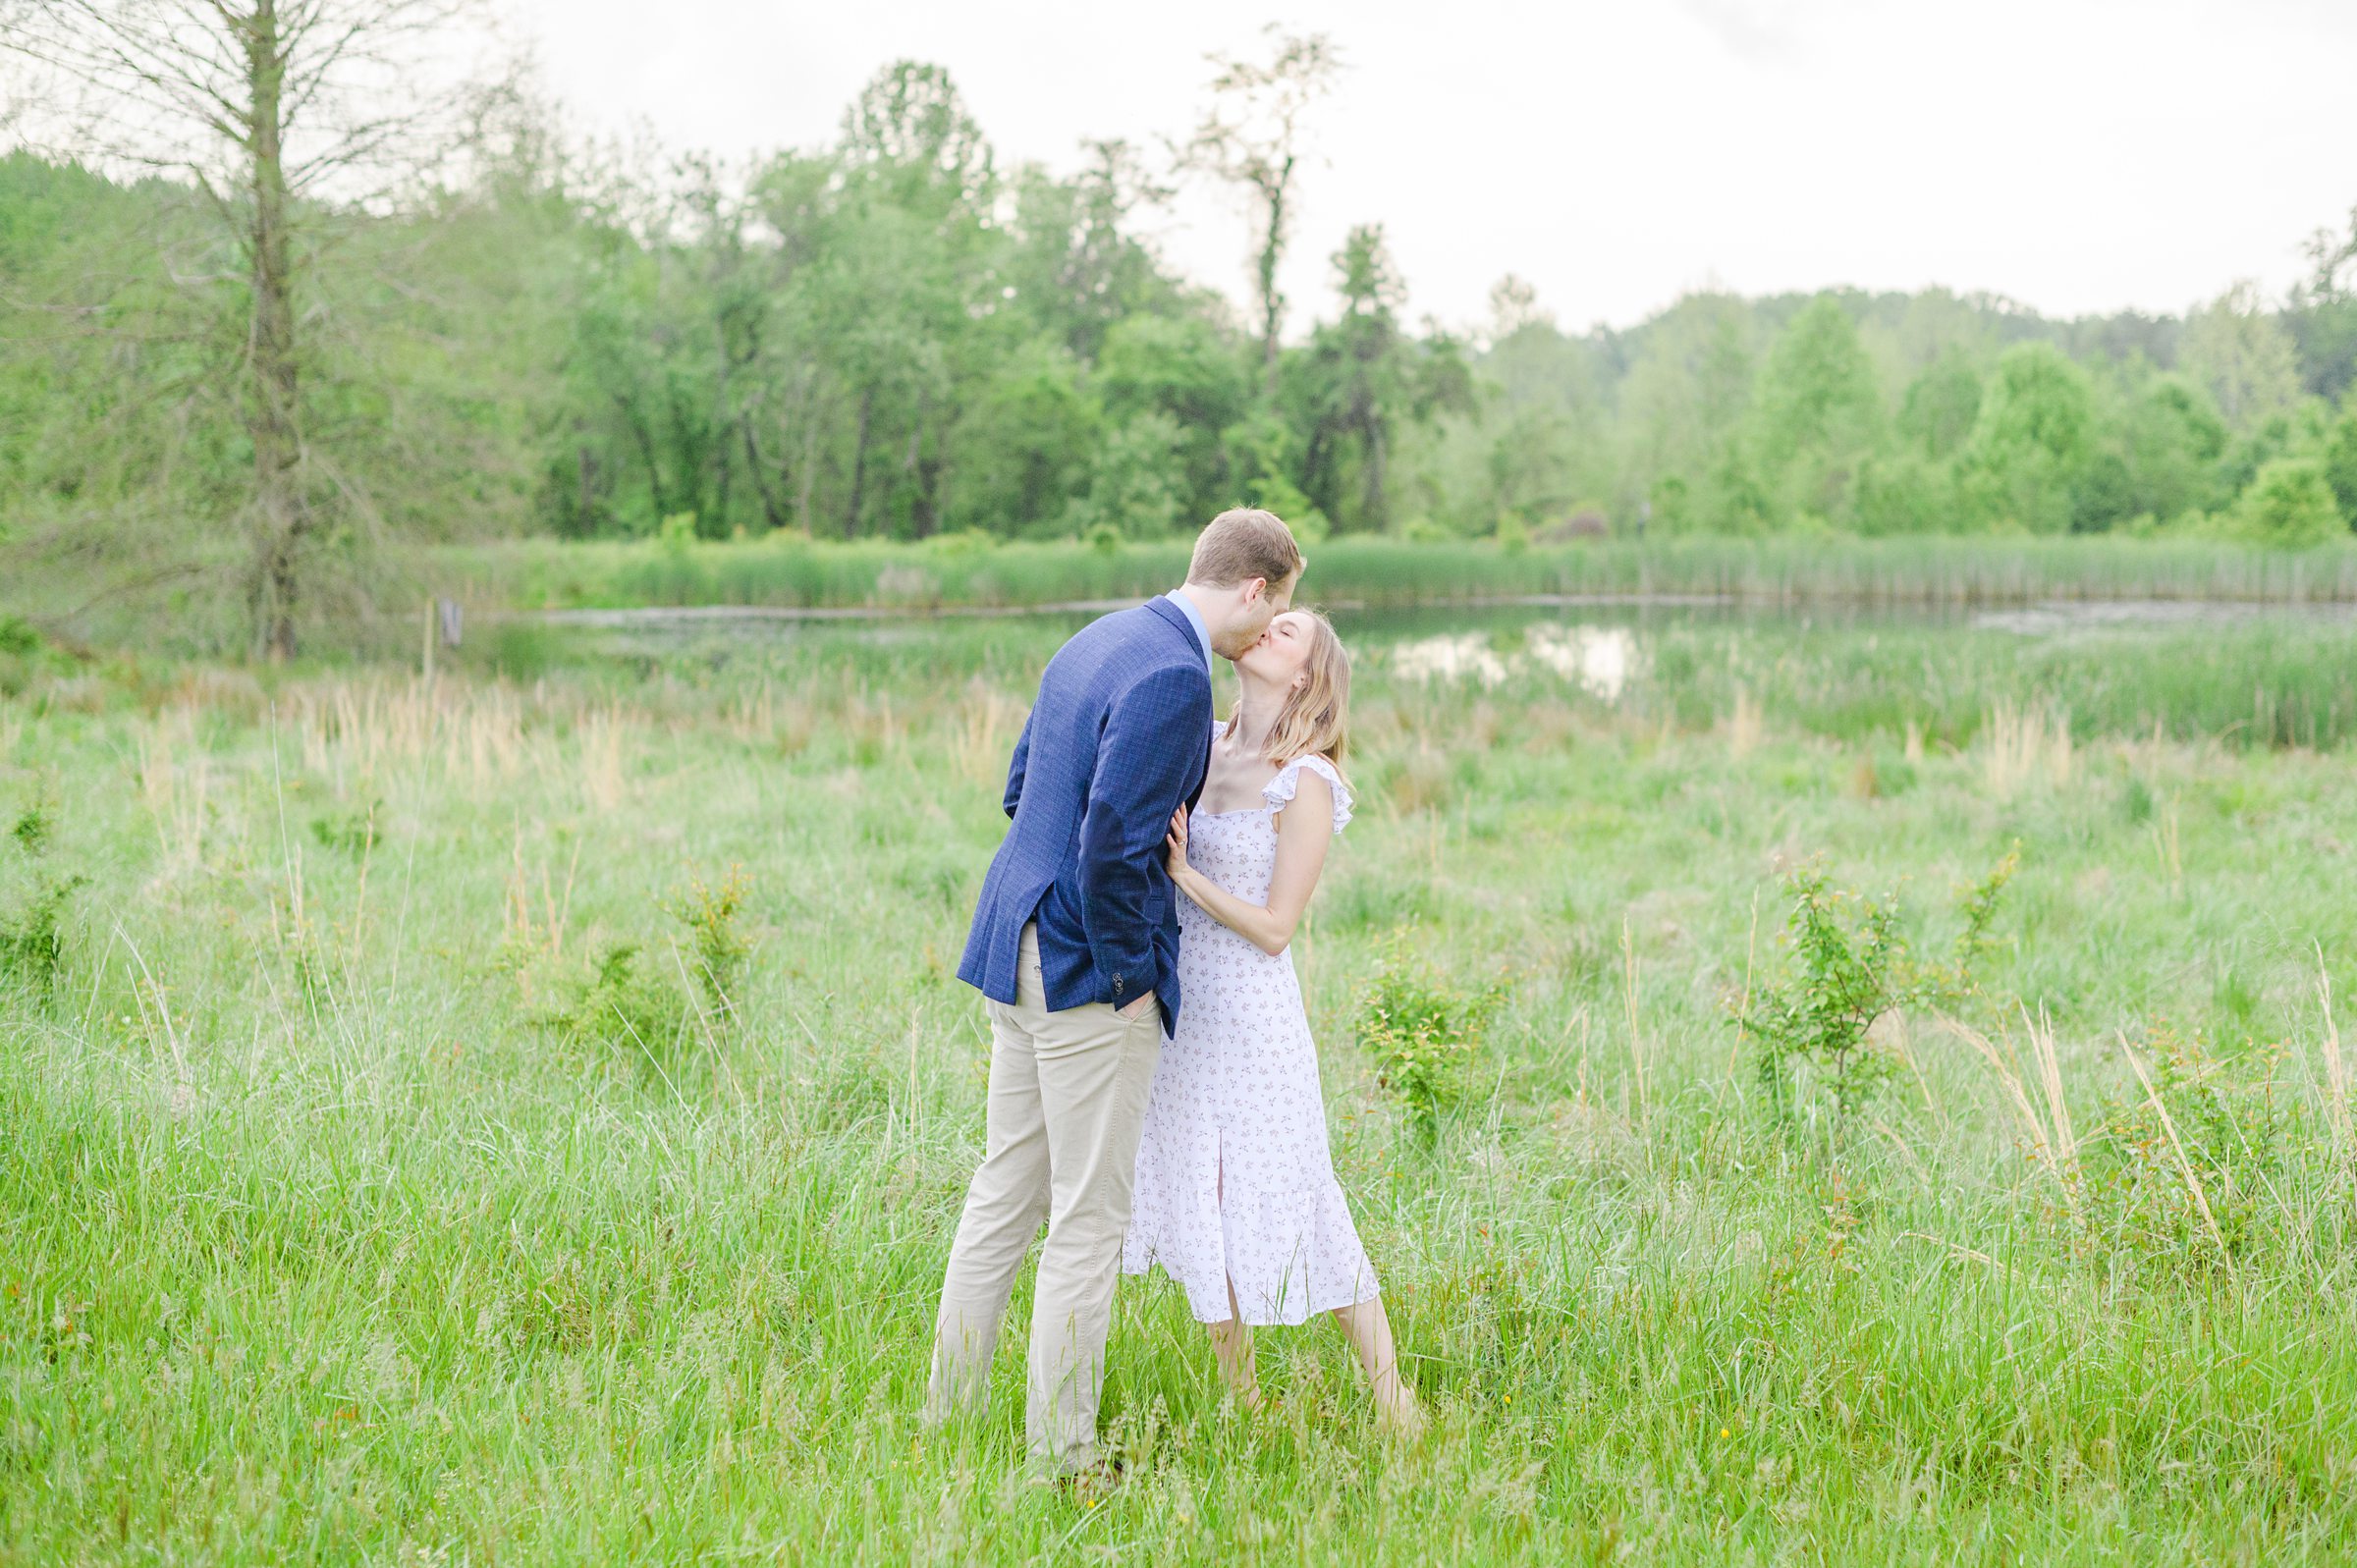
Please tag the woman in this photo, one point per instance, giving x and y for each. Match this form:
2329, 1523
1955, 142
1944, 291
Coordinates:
1236, 1194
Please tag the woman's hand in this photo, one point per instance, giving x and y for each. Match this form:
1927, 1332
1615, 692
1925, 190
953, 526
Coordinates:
1176, 845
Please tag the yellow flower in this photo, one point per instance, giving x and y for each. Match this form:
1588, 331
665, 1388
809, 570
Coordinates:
1723, 1431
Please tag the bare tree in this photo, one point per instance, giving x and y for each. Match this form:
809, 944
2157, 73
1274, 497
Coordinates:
280, 113
1254, 135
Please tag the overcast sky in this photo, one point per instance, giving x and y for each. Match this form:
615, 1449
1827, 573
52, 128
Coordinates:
2079, 155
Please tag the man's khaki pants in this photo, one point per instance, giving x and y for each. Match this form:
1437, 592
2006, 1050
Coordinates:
1067, 1100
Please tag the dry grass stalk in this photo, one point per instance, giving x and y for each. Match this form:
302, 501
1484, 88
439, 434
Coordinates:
2024, 744
2041, 1033
603, 782
174, 792
2336, 1074
1743, 726
988, 723
2052, 1137
2167, 846
1636, 1033
364, 726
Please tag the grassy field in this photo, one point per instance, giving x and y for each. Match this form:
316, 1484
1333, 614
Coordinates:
522, 1119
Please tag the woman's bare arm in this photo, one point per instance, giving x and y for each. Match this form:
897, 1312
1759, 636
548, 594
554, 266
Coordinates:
1304, 830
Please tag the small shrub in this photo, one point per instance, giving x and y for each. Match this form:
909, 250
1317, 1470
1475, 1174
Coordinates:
352, 832
523, 651
2233, 1134
1847, 966
1424, 1033
32, 829
619, 1008
32, 944
710, 915
2136, 802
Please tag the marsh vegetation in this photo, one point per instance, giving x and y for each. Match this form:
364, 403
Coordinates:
523, 1114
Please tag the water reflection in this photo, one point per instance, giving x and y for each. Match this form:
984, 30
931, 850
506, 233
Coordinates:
1601, 659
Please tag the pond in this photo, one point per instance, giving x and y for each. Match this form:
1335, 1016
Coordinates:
2274, 674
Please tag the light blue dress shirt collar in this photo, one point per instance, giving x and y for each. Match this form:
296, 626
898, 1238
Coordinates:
1194, 618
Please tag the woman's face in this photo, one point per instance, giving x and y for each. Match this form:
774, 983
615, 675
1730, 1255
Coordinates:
1282, 655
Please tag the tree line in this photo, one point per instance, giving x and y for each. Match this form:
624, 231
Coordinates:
896, 334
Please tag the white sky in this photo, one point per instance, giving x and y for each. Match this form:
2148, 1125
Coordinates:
2078, 155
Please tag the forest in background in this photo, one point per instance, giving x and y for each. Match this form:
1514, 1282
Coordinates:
893, 336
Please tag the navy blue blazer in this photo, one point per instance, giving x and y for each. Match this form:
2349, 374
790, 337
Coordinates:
1120, 737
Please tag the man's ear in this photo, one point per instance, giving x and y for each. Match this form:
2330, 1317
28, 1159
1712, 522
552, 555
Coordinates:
1254, 587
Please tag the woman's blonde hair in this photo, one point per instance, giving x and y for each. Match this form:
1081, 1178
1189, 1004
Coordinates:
1315, 721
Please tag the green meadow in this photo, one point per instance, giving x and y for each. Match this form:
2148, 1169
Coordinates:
521, 1115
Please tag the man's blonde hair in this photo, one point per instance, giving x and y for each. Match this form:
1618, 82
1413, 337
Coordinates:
1243, 543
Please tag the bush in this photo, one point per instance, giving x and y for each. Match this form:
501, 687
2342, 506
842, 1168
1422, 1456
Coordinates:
2291, 504
622, 1010
354, 832
1423, 1032
1846, 968
33, 945
2232, 1132
710, 916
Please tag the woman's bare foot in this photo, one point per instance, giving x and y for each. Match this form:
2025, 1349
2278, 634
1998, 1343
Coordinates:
1401, 1419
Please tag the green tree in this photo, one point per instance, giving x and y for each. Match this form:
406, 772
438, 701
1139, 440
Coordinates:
1941, 404
1021, 444
2321, 313
1137, 483
1817, 411
2241, 355
1686, 389
2169, 441
1360, 380
1075, 266
2291, 504
1254, 137
1183, 368
2340, 460
2032, 440
259, 105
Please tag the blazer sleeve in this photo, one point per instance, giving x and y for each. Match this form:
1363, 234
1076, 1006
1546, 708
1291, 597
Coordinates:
1142, 775
1019, 766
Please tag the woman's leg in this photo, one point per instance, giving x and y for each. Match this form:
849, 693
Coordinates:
1232, 1343
1369, 1328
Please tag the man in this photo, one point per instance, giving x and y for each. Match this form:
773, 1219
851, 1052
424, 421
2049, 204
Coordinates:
1075, 945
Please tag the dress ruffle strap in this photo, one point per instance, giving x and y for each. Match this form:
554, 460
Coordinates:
1279, 791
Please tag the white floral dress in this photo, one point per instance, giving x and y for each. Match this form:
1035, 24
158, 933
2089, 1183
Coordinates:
1235, 1181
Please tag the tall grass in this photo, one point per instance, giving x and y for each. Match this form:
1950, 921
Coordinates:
344, 1217
789, 573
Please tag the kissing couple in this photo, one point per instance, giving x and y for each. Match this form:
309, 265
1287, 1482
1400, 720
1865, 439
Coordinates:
1157, 858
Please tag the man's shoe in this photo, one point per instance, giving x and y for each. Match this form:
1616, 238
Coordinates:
1091, 1485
